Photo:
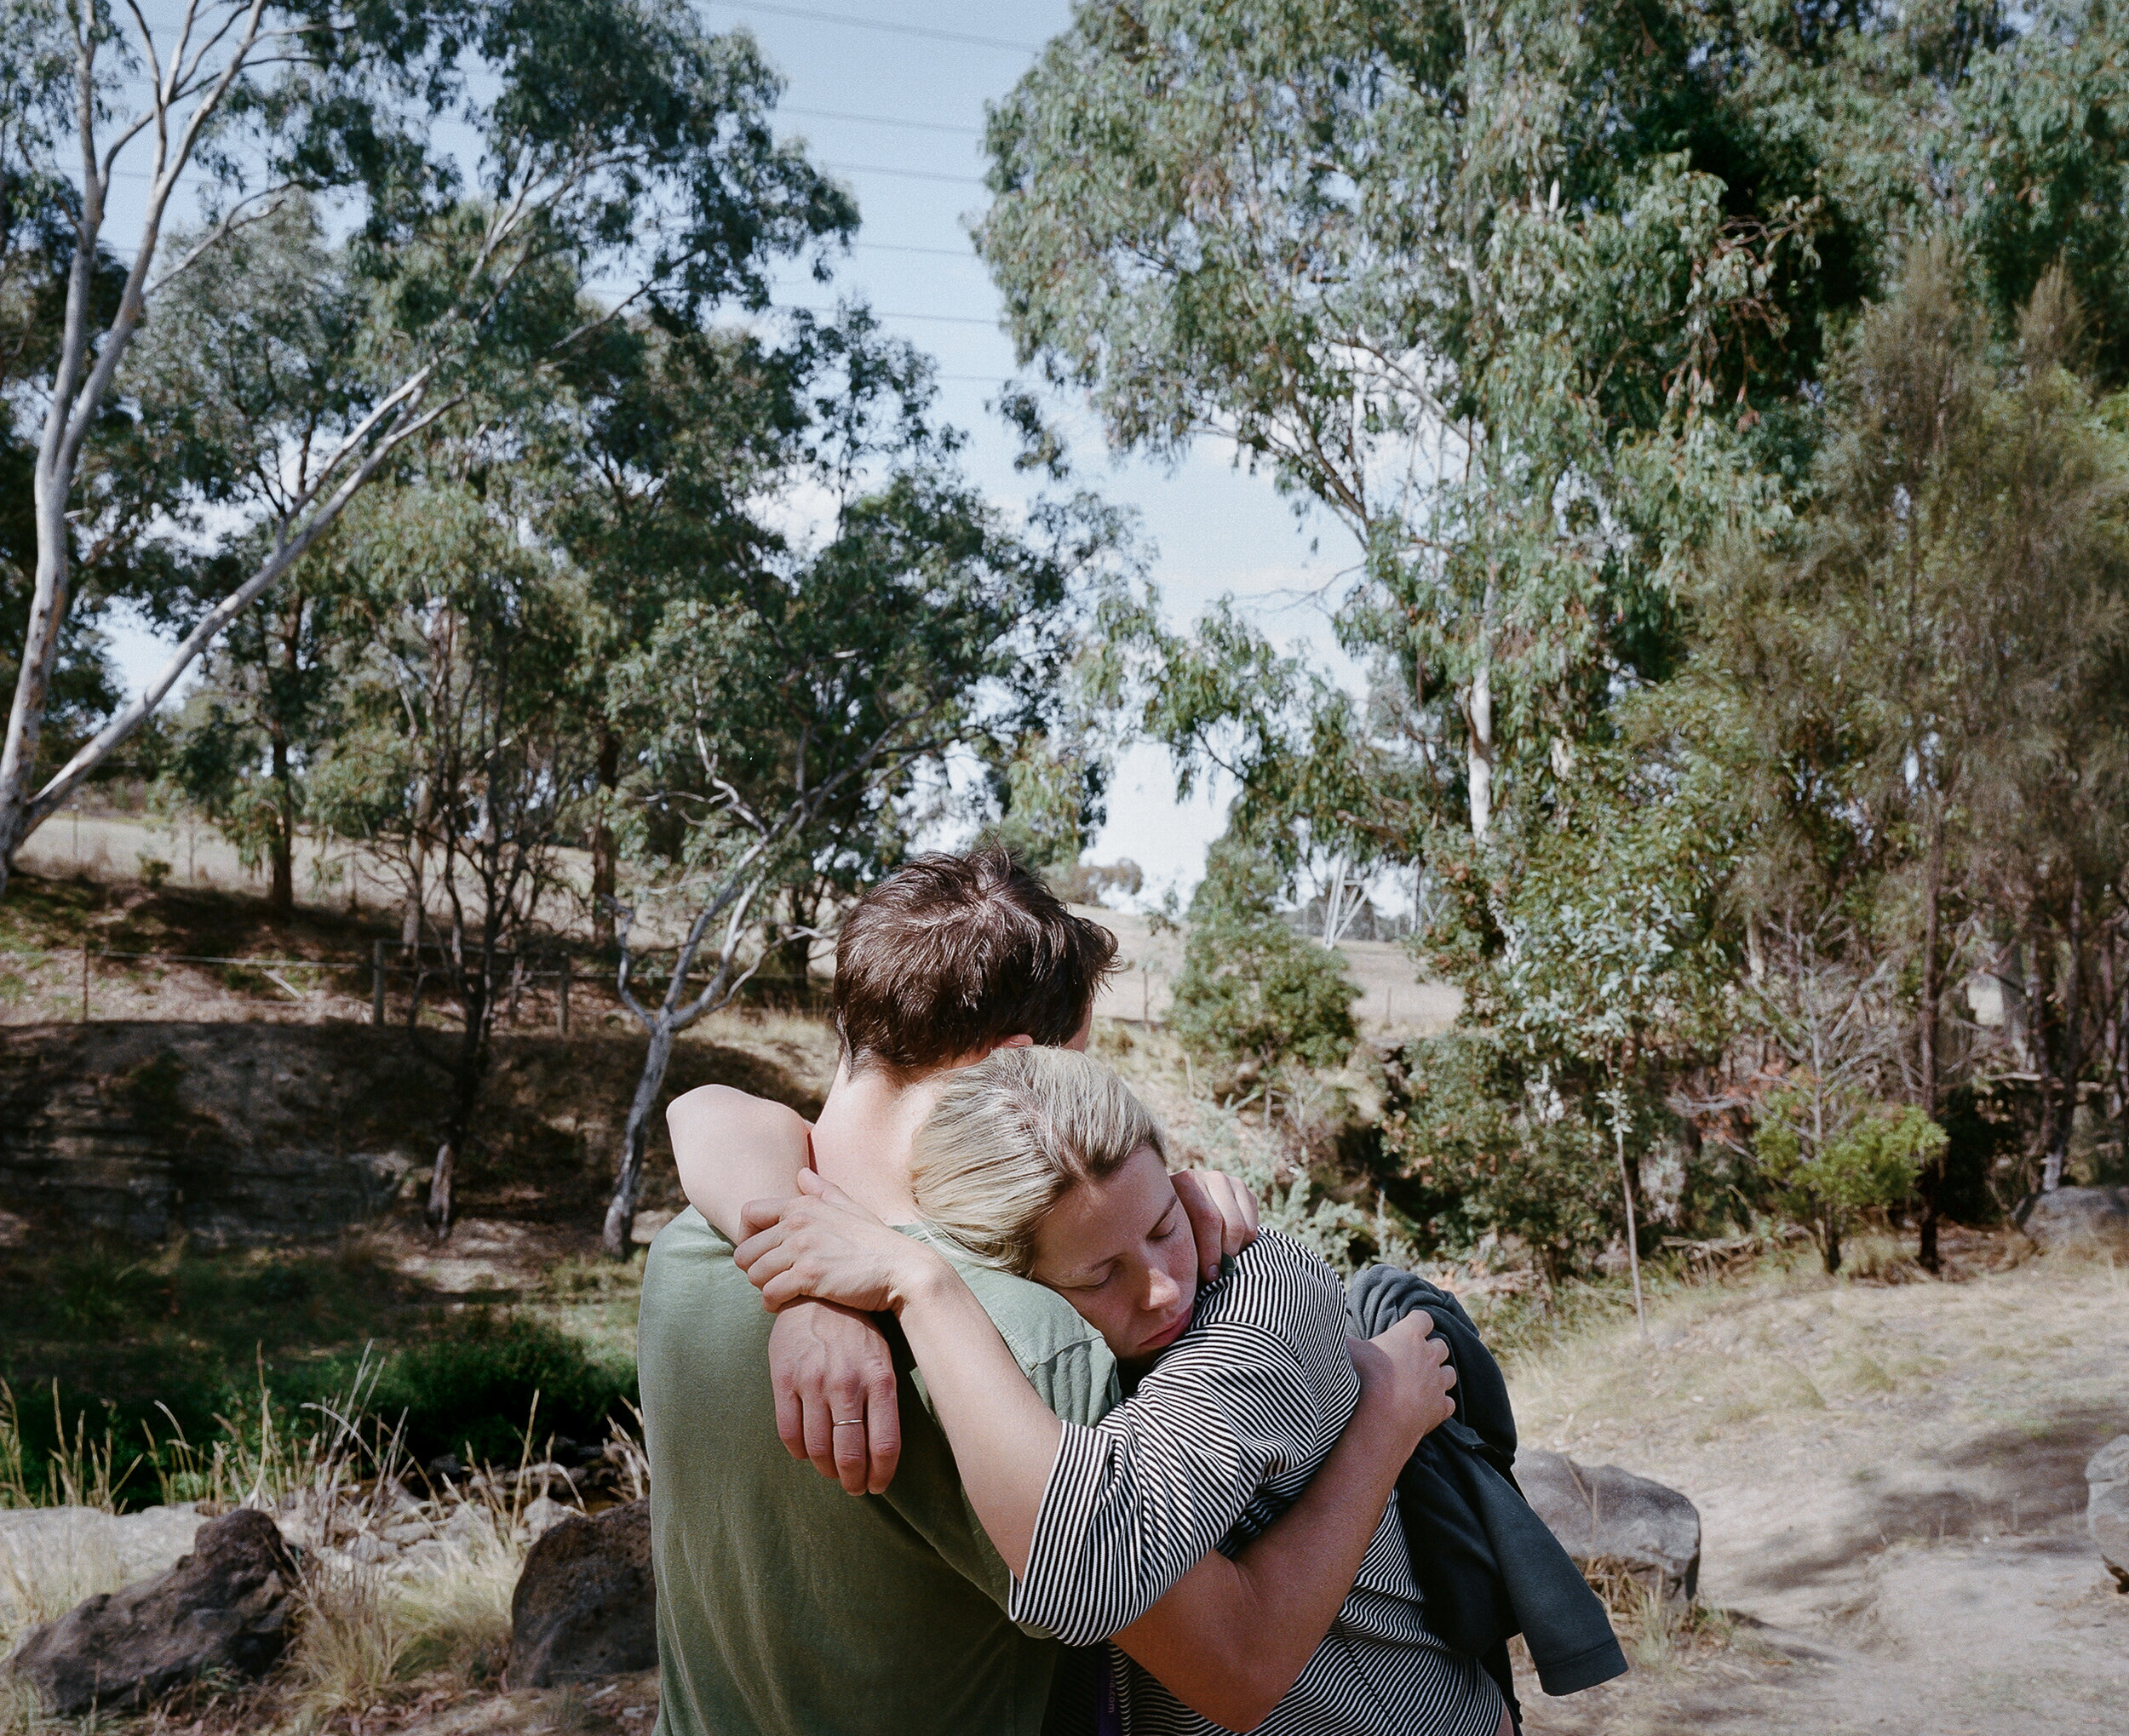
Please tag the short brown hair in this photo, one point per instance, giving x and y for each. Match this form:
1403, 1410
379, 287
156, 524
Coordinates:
953, 953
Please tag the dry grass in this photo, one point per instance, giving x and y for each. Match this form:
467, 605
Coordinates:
1889, 1471
370, 1642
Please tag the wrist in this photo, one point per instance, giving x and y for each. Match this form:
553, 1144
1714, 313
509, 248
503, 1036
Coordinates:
920, 1277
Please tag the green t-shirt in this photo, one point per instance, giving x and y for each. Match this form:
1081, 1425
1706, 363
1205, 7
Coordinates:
787, 1608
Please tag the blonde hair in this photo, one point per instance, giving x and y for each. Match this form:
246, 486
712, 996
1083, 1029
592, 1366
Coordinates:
1010, 1136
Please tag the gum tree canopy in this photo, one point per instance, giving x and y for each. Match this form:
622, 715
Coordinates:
1506, 288
473, 152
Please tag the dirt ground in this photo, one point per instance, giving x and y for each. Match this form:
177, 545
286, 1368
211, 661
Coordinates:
1890, 1480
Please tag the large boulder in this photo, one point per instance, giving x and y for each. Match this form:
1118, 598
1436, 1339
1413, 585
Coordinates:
229, 1606
2107, 1508
2079, 1220
1611, 1521
586, 1604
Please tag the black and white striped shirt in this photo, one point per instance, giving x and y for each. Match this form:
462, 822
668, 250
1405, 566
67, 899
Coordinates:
1218, 1440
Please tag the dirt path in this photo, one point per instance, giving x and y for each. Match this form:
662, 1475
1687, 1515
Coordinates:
1890, 1480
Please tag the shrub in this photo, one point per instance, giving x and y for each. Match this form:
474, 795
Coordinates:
1479, 1150
1251, 990
1831, 1154
470, 1392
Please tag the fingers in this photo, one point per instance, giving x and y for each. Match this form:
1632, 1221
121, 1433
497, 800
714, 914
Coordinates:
847, 1431
819, 1433
758, 1244
1222, 1213
883, 1430
1204, 1222
790, 1410
757, 1215
767, 1263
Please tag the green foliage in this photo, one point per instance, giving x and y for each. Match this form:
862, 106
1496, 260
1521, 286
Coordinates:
1052, 804
1482, 1148
1474, 282
2040, 143
470, 1391
1831, 1155
1253, 993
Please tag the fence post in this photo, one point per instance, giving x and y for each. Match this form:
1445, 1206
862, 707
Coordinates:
561, 1006
85, 979
376, 983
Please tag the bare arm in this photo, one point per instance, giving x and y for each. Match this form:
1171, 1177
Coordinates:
826, 1363
1228, 1637
731, 1147
1004, 1437
1231, 1637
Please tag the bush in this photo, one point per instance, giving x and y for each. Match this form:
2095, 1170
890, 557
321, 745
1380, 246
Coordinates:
1830, 1155
1252, 990
471, 1392
1478, 1151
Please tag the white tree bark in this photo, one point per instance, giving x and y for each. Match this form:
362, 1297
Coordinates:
1479, 751
184, 96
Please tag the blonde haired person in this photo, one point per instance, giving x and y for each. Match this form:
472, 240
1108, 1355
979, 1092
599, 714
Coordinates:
1040, 1161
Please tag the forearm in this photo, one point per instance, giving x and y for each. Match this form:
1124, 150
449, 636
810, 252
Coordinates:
1231, 1637
731, 1147
1004, 1437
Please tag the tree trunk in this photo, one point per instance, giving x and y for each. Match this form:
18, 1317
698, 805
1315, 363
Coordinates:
48, 617
1479, 751
281, 847
1931, 1181
1829, 1243
466, 1082
2040, 1041
621, 1211
1633, 1226
2072, 1059
604, 848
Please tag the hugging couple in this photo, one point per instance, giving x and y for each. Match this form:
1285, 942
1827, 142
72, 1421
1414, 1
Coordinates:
1118, 1465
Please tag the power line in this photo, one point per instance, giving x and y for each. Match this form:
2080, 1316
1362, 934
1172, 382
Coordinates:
904, 174
881, 313
833, 114
930, 34
900, 247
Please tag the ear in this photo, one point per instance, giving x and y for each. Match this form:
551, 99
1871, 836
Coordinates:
1022, 1041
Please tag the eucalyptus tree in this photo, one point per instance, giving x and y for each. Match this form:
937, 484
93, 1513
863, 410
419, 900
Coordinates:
252, 364
655, 461
1456, 275
799, 704
614, 142
451, 762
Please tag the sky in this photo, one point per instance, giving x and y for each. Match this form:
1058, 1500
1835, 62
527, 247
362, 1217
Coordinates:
890, 97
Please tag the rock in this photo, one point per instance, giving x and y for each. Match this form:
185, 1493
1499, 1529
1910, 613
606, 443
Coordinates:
228, 1606
134, 1546
2078, 1220
2107, 1510
585, 1605
233, 1134
542, 1514
1608, 1518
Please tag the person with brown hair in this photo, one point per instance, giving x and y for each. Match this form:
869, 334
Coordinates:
784, 1606
1043, 1163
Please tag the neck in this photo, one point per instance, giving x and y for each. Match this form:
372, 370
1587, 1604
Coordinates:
863, 1139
